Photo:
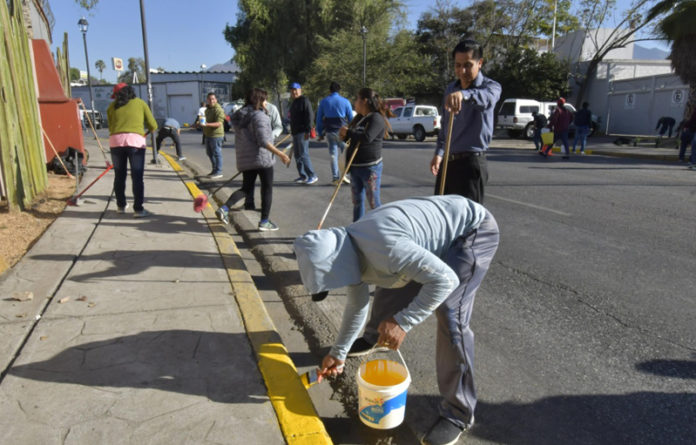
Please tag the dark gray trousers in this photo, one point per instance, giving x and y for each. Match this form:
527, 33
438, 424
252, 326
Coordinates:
469, 257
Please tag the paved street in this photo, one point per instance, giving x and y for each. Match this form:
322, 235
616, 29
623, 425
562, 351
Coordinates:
585, 322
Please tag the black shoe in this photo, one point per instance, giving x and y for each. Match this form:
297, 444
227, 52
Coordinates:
443, 432
362, 347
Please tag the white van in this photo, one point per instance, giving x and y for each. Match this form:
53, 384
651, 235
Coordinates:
515, 115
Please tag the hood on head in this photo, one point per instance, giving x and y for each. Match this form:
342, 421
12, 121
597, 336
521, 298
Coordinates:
327, 259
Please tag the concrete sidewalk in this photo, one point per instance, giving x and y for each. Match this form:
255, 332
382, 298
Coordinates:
143, 331
604, 146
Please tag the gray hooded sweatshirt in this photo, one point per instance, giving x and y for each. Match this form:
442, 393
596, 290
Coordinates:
391, 245
252, 133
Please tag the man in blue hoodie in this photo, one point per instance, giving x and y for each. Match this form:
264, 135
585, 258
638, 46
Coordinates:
425, 255
333, 113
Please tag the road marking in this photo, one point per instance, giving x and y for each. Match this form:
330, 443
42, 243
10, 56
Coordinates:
526, 204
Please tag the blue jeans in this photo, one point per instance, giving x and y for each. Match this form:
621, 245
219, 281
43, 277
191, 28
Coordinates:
537, 139
365, 181
300, 148
581, 133
686, 137
692, 159
563, 136
213, 148
335, 144
120, 157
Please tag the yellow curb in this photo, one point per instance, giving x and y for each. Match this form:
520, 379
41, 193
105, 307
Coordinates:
294, 409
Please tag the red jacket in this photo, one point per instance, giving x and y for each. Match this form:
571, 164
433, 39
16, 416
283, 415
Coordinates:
560, 119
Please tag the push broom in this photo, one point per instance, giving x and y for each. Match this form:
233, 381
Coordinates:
202, 200
448, 142
109, 165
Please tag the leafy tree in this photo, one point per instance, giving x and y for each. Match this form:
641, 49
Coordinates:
594, 15
279, 40
87, 4
502, 27
100, 66
135, 65
678, 28
74, 74
527, 73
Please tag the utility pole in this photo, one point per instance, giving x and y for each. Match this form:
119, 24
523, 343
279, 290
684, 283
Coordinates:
147, 77
553, 31
363, 31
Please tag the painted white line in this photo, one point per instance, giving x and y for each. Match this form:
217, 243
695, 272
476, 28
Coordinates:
526, 204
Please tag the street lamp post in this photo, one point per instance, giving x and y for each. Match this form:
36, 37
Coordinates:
363, 31
147, 76
83, 24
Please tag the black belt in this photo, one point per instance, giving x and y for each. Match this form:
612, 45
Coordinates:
465, 154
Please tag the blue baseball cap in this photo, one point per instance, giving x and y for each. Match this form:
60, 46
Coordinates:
295, 85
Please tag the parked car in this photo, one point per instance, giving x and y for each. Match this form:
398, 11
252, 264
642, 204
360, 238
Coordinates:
515, 115
230, 108
95, 115
418, 120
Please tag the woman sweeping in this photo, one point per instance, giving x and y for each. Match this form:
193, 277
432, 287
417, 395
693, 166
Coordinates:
128, 115
255, 150
367, 129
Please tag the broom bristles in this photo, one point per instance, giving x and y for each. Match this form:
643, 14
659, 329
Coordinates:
200, 202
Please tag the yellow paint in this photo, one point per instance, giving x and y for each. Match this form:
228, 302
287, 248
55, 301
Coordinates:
298, 420
382, 373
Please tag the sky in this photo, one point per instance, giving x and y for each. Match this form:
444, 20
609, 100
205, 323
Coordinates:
182, 35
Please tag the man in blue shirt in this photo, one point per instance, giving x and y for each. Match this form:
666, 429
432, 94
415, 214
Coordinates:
170, 129
334, 112
471, 99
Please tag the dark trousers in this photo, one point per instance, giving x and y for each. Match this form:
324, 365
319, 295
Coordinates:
466, 176
247, 191
166, 132
470, 257
120, 157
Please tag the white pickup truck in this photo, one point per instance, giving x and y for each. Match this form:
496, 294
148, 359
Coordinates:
418, 120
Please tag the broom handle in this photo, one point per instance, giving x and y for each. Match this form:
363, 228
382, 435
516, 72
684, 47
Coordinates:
89, 119
56, 153
448, 142
226, 182
338, 186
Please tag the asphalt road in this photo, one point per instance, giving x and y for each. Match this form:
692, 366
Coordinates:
585, 324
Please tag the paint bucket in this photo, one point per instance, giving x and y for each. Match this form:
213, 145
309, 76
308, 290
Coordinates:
382, 389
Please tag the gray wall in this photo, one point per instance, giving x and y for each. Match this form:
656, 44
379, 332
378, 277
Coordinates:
173, 95
635, 105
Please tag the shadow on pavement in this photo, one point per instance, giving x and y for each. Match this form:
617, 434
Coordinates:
208, 364
639, 417
682, 369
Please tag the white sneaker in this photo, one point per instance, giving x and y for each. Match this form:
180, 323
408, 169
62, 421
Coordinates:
312, 180
122, 209
141, 214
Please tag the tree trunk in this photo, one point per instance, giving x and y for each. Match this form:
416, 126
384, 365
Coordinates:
691, 101
589, 74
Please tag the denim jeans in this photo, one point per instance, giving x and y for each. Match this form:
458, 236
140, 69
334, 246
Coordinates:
581, 133
537, 139
335, 144
692, 159
563, 136
685, 139
365, 181
213, 148
300, 147
120, 157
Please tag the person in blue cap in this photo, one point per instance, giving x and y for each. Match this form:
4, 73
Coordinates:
425, 255
301, 119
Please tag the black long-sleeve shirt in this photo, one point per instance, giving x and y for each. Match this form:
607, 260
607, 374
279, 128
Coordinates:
301, 116
369, 132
